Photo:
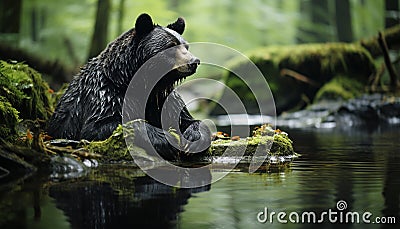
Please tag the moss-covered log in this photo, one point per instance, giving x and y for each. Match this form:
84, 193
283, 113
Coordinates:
296, 73
58, 72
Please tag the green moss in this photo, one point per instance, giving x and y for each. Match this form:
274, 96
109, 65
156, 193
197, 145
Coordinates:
340, 87
113, 148
8, 119
23, 95
317, 61
281, 144
24, 88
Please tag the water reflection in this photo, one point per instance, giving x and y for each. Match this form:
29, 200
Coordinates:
122, 202
360, 166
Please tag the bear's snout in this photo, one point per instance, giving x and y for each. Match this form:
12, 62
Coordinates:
194, 62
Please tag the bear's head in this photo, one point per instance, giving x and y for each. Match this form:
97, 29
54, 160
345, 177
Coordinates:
169, 45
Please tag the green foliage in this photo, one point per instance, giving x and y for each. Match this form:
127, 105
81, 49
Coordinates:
64, 28
242, 25
368, 18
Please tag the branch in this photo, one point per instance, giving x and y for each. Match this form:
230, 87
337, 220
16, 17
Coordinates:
389, 66
300, 77
392, 38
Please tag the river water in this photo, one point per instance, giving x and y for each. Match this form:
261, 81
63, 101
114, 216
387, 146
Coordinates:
340, 171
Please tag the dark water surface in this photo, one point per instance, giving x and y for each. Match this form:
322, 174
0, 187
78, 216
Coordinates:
359, 167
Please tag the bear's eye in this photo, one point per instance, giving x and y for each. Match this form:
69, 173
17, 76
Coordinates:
173, 44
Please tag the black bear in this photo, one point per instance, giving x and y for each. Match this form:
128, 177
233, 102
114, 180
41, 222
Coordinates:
91, 107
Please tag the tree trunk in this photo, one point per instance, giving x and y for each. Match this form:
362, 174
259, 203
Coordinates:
316, 25
301, 32
320, 17
343, 21
120, 17
392, 13
10, 16
174, 5
99, 39
34, 23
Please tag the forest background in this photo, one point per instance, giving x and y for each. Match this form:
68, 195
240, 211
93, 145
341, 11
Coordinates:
65, 34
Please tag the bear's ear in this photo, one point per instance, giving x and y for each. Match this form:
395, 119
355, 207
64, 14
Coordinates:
178, 26
144, 25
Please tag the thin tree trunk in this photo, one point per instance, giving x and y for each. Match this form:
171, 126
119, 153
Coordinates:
10, 16
120, 16
315, 26
392, 73
34, 23
319, 13
301, 31
343, 21
99, 39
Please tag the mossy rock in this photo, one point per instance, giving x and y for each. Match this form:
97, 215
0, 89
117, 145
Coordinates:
23, 96
281, 145
25, 90
340, 87
114, 148
275, 142
319, 63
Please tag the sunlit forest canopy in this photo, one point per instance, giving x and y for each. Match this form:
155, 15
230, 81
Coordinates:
63, 30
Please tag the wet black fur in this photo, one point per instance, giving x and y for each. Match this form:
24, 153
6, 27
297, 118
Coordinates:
91, 107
